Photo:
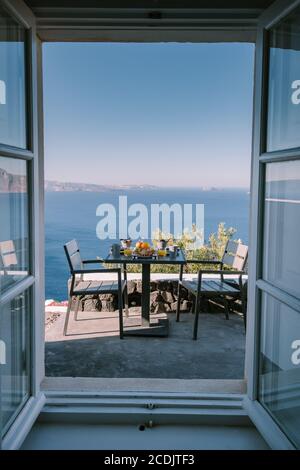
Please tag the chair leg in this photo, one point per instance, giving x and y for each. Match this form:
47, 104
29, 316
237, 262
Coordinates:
120, 305
197, 308
245, 320
244, 311
126, 301
178, 302
67, 316
226, 307
76, 309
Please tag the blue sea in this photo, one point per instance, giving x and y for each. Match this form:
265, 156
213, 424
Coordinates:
73, 215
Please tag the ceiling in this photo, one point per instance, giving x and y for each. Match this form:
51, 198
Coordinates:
69, 20
156, 4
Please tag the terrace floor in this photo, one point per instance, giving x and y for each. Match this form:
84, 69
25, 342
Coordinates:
93, 348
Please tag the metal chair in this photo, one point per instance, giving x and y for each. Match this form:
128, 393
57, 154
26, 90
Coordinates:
80, 287
235, 256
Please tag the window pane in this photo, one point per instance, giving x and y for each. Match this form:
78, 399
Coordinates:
282, 226
279, 384
12, 82
283, 130
14, 337
14, 222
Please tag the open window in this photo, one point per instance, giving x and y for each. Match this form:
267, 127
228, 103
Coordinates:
21, 369
272, 350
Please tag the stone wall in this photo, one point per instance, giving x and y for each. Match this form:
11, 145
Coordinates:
163, 298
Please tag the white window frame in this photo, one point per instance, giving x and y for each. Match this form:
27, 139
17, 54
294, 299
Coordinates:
28, 414
165, 407
263, 420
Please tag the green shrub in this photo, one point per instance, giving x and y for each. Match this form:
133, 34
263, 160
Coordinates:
213, 250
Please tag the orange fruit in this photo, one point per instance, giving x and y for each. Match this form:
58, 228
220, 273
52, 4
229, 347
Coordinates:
161, 252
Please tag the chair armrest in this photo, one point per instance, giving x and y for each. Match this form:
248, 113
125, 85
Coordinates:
91, 261
221, 271
97, 271
203, 261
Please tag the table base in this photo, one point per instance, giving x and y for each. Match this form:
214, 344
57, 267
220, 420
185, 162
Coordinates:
158, 326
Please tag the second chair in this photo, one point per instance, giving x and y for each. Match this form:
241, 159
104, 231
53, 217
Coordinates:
234, 257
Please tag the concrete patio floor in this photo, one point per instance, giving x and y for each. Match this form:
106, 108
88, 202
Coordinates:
93, 348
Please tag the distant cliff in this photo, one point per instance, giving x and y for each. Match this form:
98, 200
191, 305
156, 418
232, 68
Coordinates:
57, 186
10, 183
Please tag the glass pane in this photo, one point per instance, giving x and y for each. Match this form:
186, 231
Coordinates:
14, 338
279, 385
283, 130
12, 82
282, 226
14, 222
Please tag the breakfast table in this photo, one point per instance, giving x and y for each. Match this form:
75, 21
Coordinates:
151, 324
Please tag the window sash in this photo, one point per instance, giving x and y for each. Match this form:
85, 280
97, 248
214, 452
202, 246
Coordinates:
257, 284
28, 409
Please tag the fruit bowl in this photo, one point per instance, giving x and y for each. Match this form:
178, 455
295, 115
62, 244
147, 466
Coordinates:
143, 252
143, 249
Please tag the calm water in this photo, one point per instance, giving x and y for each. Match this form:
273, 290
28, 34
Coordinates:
73, 215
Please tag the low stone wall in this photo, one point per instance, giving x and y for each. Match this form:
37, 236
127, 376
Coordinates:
163, 298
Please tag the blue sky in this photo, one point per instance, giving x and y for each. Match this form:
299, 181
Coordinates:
166, 114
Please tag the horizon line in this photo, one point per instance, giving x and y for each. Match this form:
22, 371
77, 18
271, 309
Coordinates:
151, 185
